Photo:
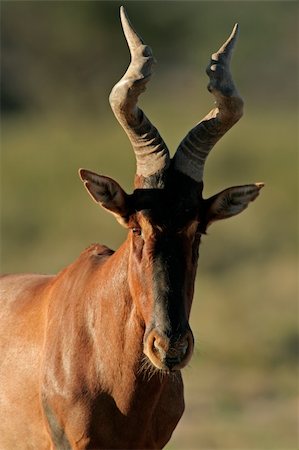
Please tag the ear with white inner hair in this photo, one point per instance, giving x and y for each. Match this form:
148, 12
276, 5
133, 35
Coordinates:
231, 201
106, 192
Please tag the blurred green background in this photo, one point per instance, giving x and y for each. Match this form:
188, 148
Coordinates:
59, 62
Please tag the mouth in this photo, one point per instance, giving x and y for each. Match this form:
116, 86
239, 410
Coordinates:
148, 370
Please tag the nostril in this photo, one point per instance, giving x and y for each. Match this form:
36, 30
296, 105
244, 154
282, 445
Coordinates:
184, 348
156, 345
176, 354
178, 348
158, 348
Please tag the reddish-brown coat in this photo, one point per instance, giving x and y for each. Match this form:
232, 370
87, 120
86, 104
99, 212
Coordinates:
74, 352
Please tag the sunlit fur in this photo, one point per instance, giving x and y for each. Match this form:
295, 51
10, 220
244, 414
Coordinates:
91, 358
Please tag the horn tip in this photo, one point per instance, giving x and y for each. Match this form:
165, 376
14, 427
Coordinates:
132, 37
235, 32
260, 185
123, 13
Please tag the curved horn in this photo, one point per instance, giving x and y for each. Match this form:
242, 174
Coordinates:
151, 153
192, 152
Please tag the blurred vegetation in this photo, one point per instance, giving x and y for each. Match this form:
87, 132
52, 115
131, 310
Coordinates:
59, 62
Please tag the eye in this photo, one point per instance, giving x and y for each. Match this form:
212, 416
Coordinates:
136, 231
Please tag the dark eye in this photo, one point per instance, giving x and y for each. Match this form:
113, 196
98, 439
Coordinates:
137, 231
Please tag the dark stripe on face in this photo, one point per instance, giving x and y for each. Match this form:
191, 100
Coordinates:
169, 271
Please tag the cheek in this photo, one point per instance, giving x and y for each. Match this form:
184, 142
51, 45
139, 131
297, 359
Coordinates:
140, 276
137, 248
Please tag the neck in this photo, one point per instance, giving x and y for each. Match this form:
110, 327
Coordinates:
101, 332
118, 328
94, 351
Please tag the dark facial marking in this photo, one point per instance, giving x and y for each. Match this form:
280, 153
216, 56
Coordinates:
168, 282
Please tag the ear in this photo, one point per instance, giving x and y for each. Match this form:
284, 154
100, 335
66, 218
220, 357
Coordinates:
230, 202
107, 193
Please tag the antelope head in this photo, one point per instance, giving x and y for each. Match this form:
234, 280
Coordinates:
166, 214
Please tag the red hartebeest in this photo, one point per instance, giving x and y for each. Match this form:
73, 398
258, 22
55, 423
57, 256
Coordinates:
82, 352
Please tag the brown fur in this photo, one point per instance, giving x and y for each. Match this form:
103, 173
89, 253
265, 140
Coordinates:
65, 354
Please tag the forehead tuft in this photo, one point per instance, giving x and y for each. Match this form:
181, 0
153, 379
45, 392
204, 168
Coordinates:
166, 211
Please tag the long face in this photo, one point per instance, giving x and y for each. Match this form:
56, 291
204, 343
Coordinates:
164, 239
165, 225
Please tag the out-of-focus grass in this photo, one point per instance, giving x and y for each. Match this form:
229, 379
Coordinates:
241, 385
44, 203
